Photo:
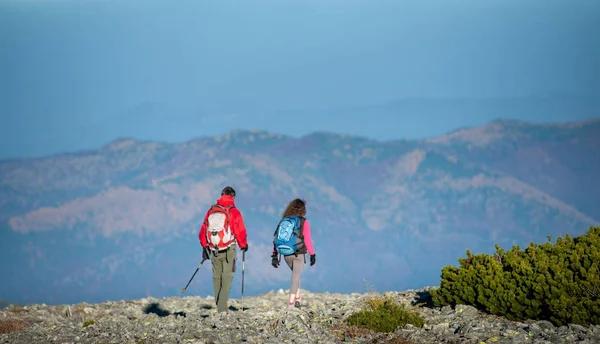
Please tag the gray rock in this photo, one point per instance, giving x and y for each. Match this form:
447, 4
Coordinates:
466, 310
545, 325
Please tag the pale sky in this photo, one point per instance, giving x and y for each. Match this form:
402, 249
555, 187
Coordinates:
77, 74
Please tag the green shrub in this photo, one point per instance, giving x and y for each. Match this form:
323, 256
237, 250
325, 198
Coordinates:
385, 316
558, 282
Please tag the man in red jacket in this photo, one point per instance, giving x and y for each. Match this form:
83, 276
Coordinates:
223, 228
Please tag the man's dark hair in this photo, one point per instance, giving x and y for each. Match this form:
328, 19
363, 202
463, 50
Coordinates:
229, 191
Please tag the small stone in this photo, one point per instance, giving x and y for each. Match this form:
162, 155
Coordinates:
577, 328
571, 338
510, 333
466, 309
520, 338
545, 325
447, 310
440, 327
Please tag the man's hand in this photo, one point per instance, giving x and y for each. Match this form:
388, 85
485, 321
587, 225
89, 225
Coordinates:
245, 248
274, 261
313, 259
205, 255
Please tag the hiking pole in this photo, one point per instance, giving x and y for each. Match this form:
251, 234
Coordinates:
198, 268
243, 268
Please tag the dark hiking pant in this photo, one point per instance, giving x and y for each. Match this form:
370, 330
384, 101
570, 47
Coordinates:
222, 270
296, 264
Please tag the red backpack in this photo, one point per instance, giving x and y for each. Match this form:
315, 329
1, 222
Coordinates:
218, 230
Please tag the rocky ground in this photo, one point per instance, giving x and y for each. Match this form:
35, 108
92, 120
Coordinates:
267, 319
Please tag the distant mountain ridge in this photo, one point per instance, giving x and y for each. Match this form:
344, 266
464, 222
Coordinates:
122, 220
155, 120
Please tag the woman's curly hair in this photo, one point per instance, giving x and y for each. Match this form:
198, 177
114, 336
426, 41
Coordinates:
296, 207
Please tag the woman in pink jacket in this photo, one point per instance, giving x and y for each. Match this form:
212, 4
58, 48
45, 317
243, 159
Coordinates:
296, 261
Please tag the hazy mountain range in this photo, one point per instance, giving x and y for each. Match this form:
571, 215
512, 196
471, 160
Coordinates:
122, 221
28, 136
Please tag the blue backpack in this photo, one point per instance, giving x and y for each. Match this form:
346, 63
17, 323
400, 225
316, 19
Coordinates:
288, 235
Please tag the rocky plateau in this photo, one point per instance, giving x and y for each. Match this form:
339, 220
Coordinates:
266, 319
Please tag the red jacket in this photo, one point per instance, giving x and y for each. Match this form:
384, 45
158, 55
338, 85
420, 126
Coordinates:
236, 222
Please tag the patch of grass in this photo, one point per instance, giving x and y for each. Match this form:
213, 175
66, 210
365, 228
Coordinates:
14, 309
383, 314
89, 322
399, 340
394, 340
343, 330
386, 317
8, 325
77, 311
374, 300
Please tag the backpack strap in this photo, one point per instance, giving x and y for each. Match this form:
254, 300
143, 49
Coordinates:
277, 227
274, 238
301, 236
301, 228
227, 210
216, 205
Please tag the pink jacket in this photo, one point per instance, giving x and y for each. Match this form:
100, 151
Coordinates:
307, 239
